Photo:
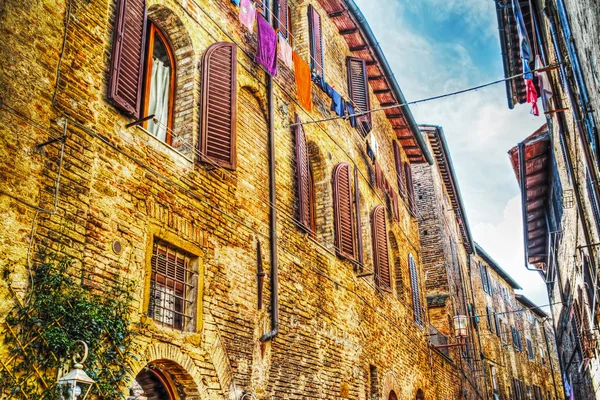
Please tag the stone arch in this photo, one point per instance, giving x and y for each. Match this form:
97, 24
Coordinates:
420, 395
176, 368
323, 197
399, 276
185, 117
390, 387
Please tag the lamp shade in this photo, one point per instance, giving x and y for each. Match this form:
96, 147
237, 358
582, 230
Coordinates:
461, 326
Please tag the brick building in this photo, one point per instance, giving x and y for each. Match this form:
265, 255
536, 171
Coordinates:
557, 168
220, 187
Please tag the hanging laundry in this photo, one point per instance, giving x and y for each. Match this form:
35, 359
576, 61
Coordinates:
543, 83
337, 104
303, 83
266, 50
236, 2
351, 112
525, 55
327, 88
370, 153
247, 13
285, 51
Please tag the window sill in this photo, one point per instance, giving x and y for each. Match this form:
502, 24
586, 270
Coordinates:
180, 159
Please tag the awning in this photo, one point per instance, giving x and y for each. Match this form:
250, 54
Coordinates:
534, 153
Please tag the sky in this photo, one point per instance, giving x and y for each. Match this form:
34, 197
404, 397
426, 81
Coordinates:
440, 46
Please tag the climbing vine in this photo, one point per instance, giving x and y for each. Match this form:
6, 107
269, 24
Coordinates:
40, 335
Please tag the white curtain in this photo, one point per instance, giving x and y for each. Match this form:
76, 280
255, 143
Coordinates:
159, 98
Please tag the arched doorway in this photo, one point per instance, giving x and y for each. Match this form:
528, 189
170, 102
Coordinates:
392, 396
420, 395
151, 384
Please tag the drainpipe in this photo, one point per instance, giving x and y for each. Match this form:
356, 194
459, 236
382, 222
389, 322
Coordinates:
550, 356
273, 214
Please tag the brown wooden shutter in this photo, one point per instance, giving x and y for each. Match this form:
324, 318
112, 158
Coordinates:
219, 103
303, 177
342, 211
416, 291
409, 187
380, 247
399, 172
358, 86
283, 17
361, 258
316, 40
127, 60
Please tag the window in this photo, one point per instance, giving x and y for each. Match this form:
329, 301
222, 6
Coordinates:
409, 187
172, 287
485, 278
159, 85
285, 22
497, 323
316, 41
494, 381
358, 89
219, 103
342, 209
416, 291
380, 247
304, 181
530, 349
399, 172
488, 311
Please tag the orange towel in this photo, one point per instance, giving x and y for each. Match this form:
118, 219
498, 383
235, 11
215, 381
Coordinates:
303, 82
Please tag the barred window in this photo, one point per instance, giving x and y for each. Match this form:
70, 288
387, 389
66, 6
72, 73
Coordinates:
172, 287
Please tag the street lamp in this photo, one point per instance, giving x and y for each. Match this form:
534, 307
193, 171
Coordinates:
77, 380
460, 326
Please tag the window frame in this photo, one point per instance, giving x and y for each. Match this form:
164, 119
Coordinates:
152, 30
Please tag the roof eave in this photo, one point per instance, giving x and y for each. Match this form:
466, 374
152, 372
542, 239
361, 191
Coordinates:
488, 259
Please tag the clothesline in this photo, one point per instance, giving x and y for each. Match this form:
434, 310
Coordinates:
553, 66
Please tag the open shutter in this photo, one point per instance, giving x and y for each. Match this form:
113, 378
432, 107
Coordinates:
416, 291
303, 177
342, 211
380, 248
409, 187
219, 98
127, 60
361, 258
399, 172
316, 40
358, 87
283, 17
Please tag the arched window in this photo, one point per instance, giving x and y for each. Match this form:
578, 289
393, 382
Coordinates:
380, 247
342, 209
159, 84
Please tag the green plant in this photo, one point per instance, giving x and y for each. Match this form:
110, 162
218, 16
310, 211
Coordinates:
40, 335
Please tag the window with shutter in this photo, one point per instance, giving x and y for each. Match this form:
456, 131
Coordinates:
380, 247
342, 211
263, 7
127, 67
358, 88
399, 172
172, 301
219, 105
489, 319
409, 187
284, 21
305, 187
316, 41
497, 323
416, 291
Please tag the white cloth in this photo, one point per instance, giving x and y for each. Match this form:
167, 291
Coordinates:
159, 99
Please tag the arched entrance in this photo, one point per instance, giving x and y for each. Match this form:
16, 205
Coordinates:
420, 395
153, 385
392, 396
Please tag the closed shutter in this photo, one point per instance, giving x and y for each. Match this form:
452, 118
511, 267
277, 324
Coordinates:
316, 40
399, 172
283, 17
126, 67
358, 220
358, 86
497, 322
380, 248
303, 177
416, 291
409, 187
342, 210
219, 98
483, 277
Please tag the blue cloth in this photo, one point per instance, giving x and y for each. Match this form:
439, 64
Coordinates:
328, 89
523, 41
351, 112
337, 104
236, 2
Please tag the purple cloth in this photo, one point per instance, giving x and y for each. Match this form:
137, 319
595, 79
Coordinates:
266, 51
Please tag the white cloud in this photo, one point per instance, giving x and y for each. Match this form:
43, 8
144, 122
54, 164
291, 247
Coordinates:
504, 243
